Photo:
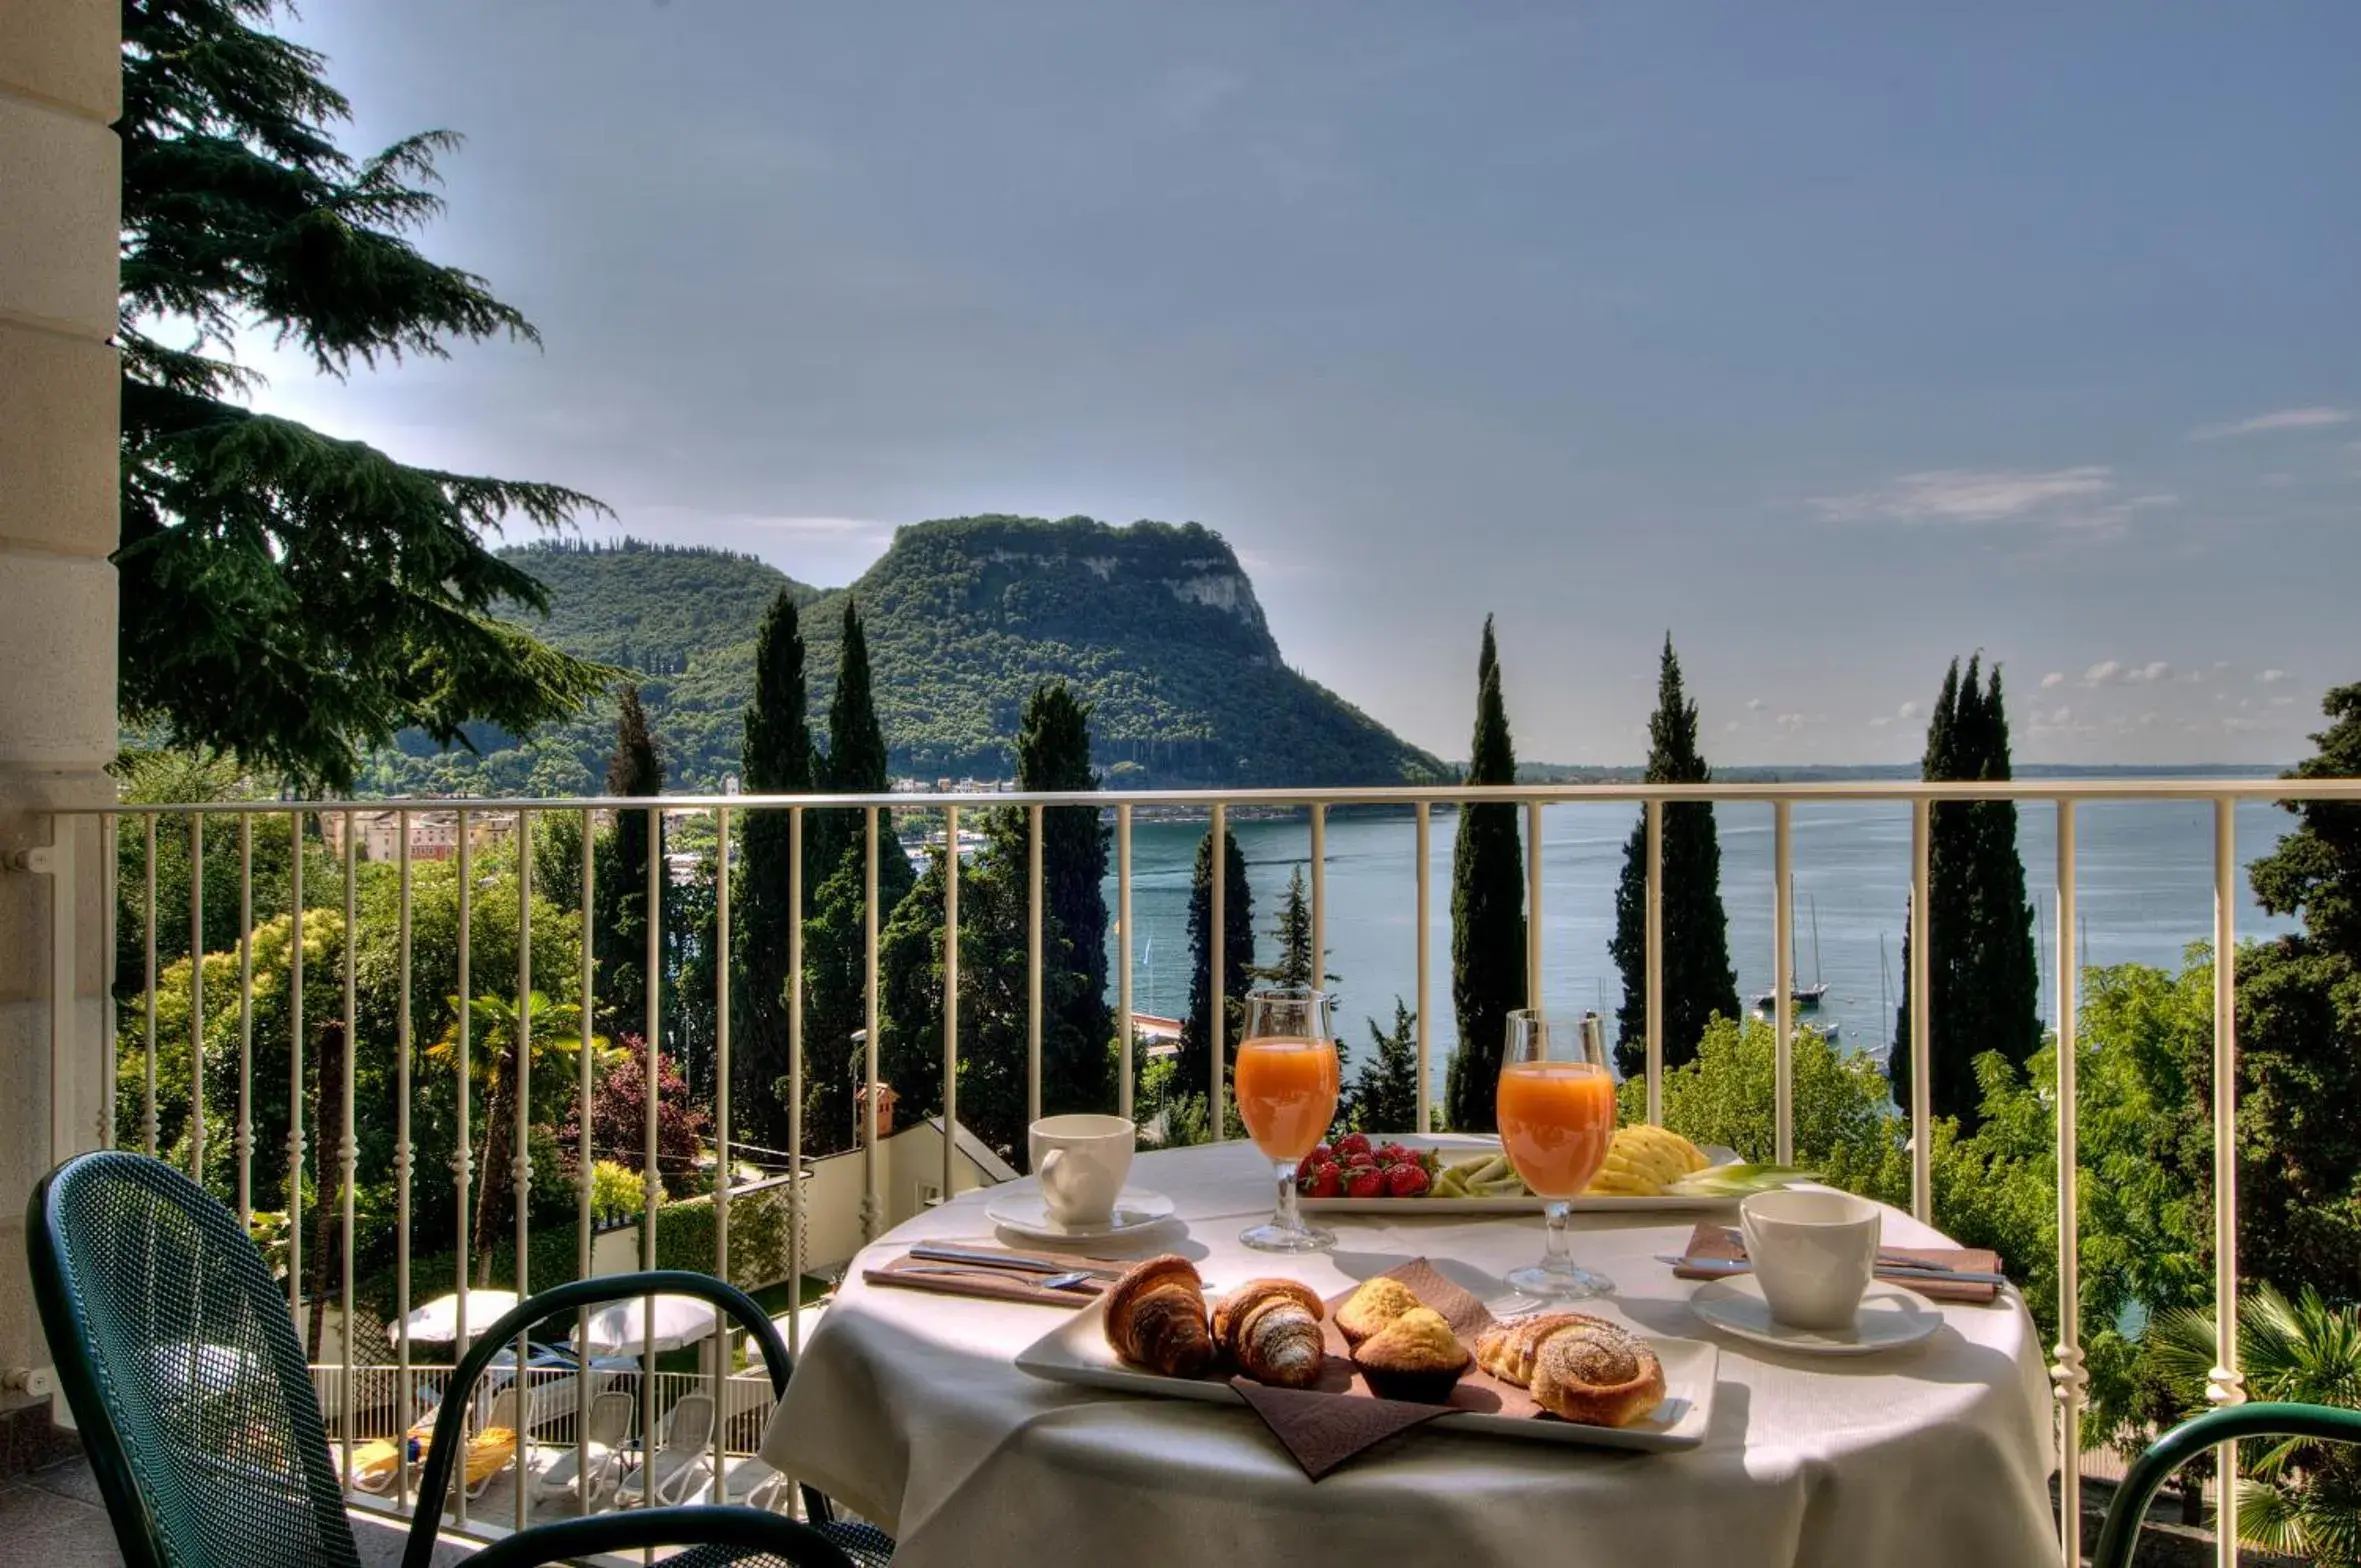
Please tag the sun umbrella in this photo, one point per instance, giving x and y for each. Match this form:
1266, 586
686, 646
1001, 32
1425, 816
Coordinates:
438, 1321
620, 1329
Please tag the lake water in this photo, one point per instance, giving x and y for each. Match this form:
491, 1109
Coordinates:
2145, 869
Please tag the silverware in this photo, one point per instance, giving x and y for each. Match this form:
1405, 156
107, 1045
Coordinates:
1067, 1280
1905, 1271
937, 1252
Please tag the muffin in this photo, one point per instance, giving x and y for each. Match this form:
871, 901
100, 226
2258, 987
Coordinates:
1415, 1357
1368, 1311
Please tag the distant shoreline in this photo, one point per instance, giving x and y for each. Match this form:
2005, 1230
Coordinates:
1799, 773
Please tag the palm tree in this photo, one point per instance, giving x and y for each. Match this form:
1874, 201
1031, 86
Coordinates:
557, 1041
2300, 1499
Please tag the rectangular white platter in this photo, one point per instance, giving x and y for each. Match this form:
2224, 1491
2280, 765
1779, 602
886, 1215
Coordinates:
1451, 1145
1076, 1351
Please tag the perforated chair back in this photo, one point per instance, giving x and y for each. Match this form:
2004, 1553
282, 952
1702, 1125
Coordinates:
177, 1353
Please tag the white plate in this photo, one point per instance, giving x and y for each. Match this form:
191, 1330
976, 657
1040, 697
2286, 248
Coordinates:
1076, 1351
1462, 1144
1019, 1207
1890, 1317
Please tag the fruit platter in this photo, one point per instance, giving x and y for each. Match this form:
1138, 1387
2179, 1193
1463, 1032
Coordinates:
1647, 1168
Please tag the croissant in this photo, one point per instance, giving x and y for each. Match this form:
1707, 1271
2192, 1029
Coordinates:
1235, 1306
1597, 1373
1280, 1343
1155, 1317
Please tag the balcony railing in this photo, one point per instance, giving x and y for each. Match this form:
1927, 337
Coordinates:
469, 819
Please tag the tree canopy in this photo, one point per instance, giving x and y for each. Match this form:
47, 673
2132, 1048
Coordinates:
289, 597
1487, 911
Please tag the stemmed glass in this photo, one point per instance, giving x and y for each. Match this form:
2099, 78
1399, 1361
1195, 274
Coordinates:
1286, 1084
1556, 1108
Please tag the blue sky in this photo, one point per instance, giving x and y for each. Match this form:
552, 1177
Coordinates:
1837, 339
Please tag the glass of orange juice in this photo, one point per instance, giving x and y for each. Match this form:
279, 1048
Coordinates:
1556, 1109
1286, 1082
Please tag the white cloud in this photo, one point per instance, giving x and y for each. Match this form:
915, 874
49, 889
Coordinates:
2061, 717
2106, 673
1729, 724
2282, 702
1791, 722
2053, 680
2151, 672
2086, 501
2314, 418
1754, 705
1880, 721
2272, 677
1906, 712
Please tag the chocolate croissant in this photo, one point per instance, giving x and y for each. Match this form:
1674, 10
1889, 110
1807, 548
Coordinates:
1278, 1342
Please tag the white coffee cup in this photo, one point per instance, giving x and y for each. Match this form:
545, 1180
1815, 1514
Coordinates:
1081, 1162
1814, 1252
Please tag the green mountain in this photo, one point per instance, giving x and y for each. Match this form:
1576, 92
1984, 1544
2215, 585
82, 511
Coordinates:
1156, 625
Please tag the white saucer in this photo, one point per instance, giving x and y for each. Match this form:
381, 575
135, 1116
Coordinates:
1021, 1208
1890, 1317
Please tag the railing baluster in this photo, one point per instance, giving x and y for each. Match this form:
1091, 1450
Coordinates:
950, 1002
2225, 1384
721, 1128
463, 1158
1422, 848
245, 1021
147, 1099
795, 1079
521, 1134
2068, 1380
1319, 976
197, 997
1532, 903
1123, 998
1783, 982
347, 1143
872, 1194
1922, 1170
1033, 969
294, 1066
404, 1410
1217, 986
650, 1173
585, 1170
1654, 988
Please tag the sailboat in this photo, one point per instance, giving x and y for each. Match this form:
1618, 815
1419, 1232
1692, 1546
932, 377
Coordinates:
1807, 998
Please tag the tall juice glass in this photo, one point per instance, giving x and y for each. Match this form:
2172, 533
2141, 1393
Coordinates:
1286, 1084
1556, 1109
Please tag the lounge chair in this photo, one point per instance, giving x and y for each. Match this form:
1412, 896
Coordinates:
685, 1458
599, 1455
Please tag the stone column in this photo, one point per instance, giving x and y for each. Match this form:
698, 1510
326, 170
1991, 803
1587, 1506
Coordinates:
60, 205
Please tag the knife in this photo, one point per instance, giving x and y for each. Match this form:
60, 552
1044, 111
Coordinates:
1885, 1259
936, 1252
1738, 1266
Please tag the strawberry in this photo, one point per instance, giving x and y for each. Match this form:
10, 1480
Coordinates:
1363, 1161
1406, 1181
1365, 1183
1392, 1154
1321, 1154
1326, 1180
1352, 1143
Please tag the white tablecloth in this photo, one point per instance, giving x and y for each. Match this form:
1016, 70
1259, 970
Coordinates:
906, 1406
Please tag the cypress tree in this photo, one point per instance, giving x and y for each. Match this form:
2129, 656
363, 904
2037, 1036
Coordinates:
1292, 929
1487, 911
1983, 976
836, 847
1385, 1095
1194, 1072
620, 893
1698, 980
289, 597
1053, 753
777, 761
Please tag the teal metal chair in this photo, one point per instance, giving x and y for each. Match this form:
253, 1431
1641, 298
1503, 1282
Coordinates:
178, 1356
2121, 1532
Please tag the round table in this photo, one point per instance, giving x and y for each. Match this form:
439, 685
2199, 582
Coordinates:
906, 1406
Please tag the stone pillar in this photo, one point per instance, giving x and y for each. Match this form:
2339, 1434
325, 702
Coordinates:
60, 192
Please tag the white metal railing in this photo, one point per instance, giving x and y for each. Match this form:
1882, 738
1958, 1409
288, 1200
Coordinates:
2067, 1372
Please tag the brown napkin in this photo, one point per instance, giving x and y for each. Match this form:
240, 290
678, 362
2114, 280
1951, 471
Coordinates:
1323, 1427
1711, 1242
993, 1284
